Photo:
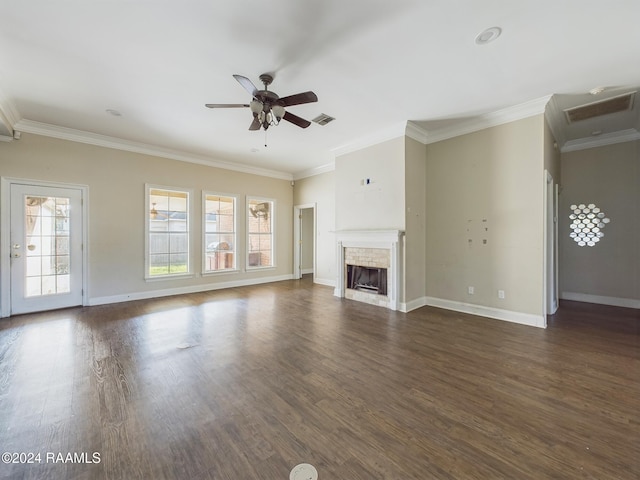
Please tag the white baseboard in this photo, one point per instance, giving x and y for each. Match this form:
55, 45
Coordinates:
602, 300
413, 304
499, 314
182, 290
306, 271
324, 281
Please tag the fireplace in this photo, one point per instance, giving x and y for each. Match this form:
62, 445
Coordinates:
369, 266
368, 279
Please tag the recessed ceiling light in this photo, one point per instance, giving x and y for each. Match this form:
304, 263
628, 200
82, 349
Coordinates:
113, 112
596, 91
488, 35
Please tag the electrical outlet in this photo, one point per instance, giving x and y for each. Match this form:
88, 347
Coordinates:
500, 293
471, 290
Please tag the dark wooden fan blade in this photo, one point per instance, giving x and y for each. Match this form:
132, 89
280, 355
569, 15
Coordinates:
246, 84
298, 99
296, 120
226, 105
255, 125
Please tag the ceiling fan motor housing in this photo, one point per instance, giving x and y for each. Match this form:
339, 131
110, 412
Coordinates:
266, 97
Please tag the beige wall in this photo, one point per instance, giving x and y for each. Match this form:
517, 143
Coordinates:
487, 185
414, 279
609, 177
379, 205
321, 190
116, 181
306, 236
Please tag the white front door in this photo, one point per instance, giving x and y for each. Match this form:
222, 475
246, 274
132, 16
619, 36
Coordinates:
46, 235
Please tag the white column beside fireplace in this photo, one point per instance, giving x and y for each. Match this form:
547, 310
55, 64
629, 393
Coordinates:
359, 242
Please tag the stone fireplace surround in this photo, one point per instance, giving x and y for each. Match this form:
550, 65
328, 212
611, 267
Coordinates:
370, 248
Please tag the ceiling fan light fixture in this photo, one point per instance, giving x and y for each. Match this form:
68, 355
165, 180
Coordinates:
278, 112
256, 106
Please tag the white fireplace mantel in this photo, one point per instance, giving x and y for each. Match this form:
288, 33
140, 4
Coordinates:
385, 239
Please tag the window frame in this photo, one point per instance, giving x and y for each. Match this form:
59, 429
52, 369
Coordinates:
147, 227
235, 269
272, 219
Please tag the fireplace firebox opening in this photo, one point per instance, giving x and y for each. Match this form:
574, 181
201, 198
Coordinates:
368, 279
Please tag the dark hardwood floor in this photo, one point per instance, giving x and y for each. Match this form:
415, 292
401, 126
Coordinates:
248, 382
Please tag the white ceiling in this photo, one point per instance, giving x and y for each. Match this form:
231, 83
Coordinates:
374, 64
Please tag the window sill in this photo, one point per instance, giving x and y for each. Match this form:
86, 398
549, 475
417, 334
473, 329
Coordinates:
175, 276
253, 269
214, 273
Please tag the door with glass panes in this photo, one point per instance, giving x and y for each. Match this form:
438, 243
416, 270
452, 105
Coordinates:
46, 248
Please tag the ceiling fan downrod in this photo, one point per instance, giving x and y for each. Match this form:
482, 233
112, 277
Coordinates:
266, 80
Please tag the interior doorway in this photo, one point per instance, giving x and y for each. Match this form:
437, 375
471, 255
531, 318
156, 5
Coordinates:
304, 242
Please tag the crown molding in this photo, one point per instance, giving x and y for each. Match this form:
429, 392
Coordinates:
329, 167
422, 135
9, 116
379, 136
417, 132
481, 122
81, 136
8, 110
601, 140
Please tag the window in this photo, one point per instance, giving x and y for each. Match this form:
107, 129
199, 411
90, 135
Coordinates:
167, 232
219, 233
260, 233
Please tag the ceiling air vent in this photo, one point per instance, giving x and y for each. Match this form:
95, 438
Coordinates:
621, 103
323, 119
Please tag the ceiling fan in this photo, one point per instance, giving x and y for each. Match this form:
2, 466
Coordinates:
267, 107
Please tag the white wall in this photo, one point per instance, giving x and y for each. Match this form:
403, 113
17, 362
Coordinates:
116, 181
321, 190
380, 204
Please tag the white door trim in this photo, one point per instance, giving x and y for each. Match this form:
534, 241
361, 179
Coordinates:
5, 239
550, 249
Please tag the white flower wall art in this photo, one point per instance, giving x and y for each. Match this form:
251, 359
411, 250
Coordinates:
587, 224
